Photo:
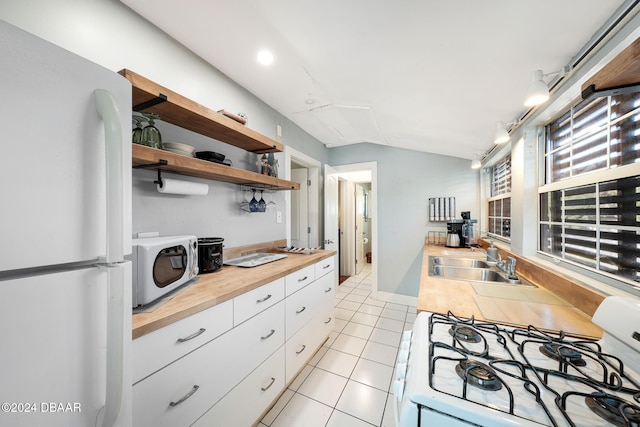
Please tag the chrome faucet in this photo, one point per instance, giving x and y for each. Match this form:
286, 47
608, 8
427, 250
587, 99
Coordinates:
509, 267
489, 258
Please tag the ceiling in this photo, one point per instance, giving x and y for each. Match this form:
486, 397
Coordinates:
426, 75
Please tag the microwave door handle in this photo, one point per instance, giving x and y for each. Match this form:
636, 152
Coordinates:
108, 111
194, 263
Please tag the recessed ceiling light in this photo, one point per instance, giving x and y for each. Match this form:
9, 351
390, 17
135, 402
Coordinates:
265, 57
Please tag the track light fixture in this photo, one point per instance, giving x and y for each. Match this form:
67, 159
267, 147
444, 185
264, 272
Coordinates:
502, 132
538, 91
476, 164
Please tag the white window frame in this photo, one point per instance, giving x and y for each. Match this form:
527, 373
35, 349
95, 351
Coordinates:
584, 179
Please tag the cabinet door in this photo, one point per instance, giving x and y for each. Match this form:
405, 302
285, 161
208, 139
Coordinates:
159, 348
249, 399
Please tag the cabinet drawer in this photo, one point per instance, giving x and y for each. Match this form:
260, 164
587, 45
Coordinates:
300, 308
253, 302
178, 394
299, 279
249, 399
326, 286
204, 376
325, 266
152, 351
302, 346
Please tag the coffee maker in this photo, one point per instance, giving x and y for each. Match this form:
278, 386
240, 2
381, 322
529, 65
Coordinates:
465, 229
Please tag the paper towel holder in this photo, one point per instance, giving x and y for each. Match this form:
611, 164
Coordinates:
158, 165
159, 181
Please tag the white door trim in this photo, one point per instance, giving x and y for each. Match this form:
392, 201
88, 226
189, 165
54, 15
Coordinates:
315, 216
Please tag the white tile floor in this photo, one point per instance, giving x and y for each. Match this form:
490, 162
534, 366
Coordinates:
348, 382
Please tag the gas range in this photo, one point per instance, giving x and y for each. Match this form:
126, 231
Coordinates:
455, 371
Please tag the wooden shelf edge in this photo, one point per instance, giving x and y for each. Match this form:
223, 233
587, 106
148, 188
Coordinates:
183, 112
192, 166
621, 74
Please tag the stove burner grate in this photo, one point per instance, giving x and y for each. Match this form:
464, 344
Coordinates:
614, 410
465, 333
562, 353
478, 374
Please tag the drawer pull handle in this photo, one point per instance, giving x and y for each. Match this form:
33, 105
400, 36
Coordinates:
326, 266
264, 299
273, 380
190, 337
303, 279
273, 331
328, 290
328, 321
185, 397
301, 310
302, 349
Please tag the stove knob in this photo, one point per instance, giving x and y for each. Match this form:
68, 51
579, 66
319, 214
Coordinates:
398, 389
403, 356
401, 370
404, 345
406, 336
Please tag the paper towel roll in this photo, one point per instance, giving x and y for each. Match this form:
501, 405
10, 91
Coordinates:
176, 186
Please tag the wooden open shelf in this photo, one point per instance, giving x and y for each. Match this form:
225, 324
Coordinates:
621, 75
192, 166
176, 109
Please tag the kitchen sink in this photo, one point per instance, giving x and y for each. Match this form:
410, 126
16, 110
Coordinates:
470, 270
460, 262
462, 273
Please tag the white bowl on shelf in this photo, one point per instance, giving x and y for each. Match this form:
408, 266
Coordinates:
177, 147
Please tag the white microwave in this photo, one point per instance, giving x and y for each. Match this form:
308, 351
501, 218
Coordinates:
162, 264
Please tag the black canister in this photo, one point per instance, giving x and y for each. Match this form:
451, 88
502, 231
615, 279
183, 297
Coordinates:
209, 254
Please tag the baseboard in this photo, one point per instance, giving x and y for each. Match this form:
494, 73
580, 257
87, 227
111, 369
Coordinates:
396, 298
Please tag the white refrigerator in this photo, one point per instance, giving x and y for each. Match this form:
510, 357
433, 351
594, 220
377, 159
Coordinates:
65, 227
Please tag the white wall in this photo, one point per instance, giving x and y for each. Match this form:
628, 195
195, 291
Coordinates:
110, 34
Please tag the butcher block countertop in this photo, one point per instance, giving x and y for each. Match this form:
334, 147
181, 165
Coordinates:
214, 288
502, 303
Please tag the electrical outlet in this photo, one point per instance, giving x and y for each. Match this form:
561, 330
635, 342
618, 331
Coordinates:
278, 217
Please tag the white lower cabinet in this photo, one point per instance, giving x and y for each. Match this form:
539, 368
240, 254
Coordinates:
181, 392
249, 399
230, 378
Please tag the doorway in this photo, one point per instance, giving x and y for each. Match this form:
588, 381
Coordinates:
364, 174
358, 214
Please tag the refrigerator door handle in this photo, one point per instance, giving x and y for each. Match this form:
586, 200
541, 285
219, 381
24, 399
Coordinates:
116, 280
114, 257
108, 111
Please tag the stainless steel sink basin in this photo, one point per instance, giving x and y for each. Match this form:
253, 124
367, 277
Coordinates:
462, 273
471, 270
460, 262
